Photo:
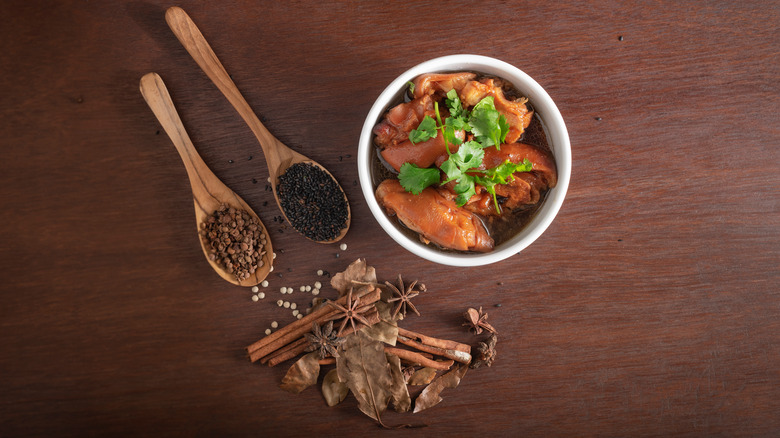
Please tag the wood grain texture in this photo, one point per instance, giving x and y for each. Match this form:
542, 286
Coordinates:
650, 307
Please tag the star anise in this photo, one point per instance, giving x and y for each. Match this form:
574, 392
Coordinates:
351, 312
487, 352
324, 340
404, 296
476, 320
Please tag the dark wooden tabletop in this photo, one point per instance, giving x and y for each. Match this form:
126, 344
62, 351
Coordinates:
650, 306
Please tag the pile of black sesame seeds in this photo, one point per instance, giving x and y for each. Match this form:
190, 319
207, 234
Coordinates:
313, 202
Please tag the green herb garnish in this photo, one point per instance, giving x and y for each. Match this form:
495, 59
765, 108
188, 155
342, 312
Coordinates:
426, 130
415, 179
489, 127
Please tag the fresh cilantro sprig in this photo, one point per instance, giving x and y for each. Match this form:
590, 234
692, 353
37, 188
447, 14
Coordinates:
415, 179
489, 127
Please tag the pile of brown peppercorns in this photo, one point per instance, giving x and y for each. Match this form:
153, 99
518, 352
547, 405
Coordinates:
235, 240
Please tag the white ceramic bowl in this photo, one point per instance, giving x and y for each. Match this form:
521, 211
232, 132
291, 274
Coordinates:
557, 138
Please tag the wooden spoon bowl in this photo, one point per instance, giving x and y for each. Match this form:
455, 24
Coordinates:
278, 156
208, 192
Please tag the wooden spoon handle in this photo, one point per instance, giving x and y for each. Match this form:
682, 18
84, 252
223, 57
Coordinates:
192, 39
159, 100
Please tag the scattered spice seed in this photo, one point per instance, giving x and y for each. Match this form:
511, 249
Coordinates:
319, 272
343, 247
264, 283
315, 292
597, 118
620, 38
295, 312
267, 332
302, 288
279, 303
255, 298
317, 285
308, 289
286, 304
293, 306
255, 289
261, 295
274, 324
299, 316
312, 201
283, 290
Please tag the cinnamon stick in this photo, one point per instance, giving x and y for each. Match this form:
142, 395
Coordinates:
300, 345
456, 355
293, 346
418, 358
297, 328
434, 342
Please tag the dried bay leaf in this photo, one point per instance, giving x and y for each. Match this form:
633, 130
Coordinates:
402, 402
357, 271
363, 367
386, 330
302, 374
334, 390
431, 395
382, 331
423, 376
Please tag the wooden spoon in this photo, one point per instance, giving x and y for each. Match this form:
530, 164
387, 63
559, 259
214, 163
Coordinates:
278, 156
208, 191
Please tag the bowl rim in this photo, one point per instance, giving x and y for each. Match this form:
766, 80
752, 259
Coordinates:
553, 124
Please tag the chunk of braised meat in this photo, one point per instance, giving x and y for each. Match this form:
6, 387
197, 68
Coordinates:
516, 112
526, 187
429, 84
422, 154
400, 120
435, 218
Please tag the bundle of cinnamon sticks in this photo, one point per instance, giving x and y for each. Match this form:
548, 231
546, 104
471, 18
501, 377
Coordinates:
289, 341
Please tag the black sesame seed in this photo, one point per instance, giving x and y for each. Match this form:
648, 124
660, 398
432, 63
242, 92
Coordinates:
597, 118
312, 201
254, 181
230, 161
250, 158
620, 38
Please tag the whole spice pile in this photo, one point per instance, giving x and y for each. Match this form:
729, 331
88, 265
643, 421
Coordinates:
313, 202
375, 359
236, 241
